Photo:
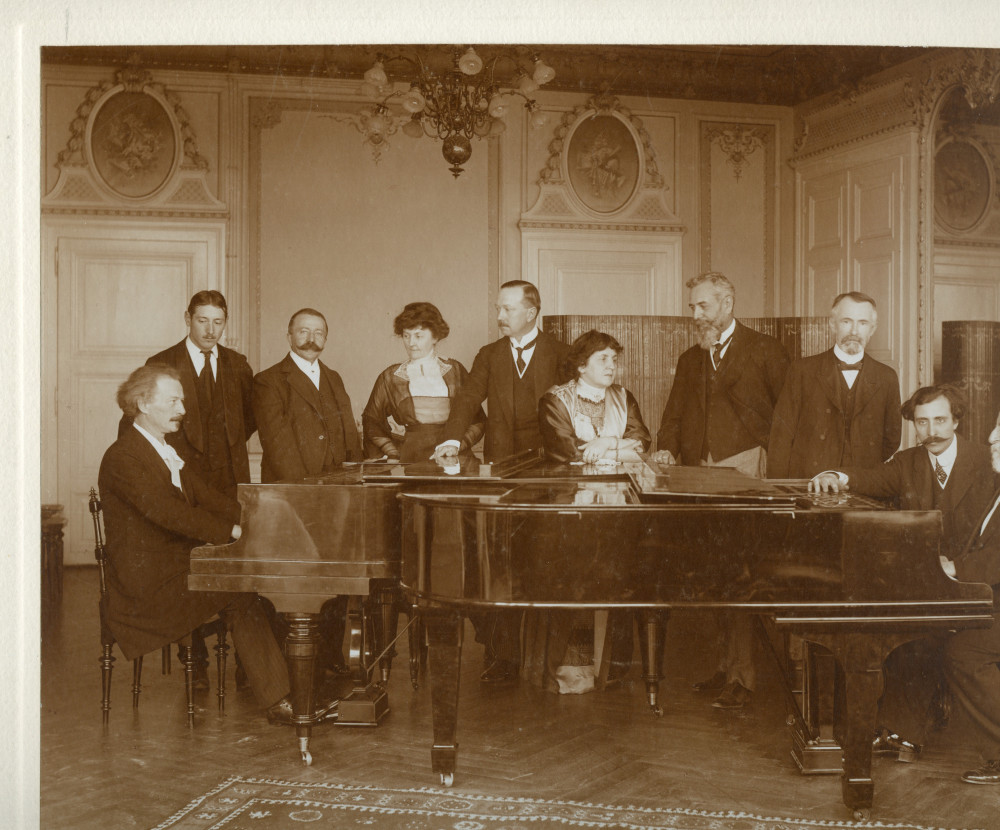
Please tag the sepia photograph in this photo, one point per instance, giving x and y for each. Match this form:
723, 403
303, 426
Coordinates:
603, 424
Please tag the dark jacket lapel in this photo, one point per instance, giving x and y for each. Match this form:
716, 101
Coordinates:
503, 366
300, 384
829, 378
731, 367
923, 479
866, 383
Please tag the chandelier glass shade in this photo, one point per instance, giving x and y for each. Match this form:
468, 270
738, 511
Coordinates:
461, 103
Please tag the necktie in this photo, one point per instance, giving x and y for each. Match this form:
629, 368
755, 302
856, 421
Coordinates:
520, 361
849, 367
717, 351
206, 378
942, 476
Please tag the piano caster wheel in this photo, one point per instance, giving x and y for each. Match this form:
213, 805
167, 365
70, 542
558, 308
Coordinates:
657, 710
863, 814
447, 779
307, 758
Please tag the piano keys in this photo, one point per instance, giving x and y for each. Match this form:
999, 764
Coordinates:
835, 570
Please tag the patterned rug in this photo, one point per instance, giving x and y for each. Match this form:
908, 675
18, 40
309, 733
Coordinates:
265, 804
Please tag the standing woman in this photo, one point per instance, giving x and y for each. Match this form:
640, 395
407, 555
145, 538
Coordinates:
594, 420
416, 394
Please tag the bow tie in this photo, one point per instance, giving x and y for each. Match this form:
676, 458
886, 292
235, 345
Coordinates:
175, 464
849, 367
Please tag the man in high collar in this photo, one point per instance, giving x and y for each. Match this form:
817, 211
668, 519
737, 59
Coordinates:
307, 428
213, 437
510, 374
156, 508
838, 408
943, 472
719, 414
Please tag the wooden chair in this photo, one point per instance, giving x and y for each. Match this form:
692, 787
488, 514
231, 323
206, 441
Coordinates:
107, 659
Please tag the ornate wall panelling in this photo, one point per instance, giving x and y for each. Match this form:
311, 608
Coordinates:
602, 234
738, 196
132, 151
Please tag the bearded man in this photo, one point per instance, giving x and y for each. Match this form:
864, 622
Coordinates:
719, 414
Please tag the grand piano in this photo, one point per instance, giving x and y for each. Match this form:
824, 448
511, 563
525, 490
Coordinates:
835, 570
839, 571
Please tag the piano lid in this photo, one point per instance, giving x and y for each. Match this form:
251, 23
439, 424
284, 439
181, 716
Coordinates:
525, 466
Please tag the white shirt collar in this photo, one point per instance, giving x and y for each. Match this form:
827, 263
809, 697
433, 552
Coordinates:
947, 458
728, 332
197, 357
311, 370
847, 358
531, 335
169, 455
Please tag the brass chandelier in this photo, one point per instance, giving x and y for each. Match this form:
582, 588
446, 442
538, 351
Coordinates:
455, 105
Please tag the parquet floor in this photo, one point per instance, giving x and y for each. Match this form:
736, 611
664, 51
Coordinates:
600, 747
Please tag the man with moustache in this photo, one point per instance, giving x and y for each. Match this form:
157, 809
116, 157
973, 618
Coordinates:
307, 428
943, 472
156, 508
838, 408
510, 374
212, 439
719, 414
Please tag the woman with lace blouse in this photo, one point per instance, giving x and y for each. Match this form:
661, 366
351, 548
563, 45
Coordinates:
594, 420
410, 401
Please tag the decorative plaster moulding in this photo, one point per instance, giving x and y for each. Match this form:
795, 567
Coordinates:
132, 152
601, 174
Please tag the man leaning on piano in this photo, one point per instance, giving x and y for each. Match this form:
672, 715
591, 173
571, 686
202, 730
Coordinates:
947, 473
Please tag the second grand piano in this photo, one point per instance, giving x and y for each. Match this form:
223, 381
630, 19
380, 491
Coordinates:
836, 571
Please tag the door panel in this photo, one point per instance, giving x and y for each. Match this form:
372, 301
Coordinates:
121, 294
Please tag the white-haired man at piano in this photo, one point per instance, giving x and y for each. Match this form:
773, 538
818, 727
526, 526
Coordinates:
947, 473
155, 510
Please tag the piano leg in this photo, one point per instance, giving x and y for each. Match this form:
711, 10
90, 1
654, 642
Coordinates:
444, 653
300, 651
652, 633
861, 657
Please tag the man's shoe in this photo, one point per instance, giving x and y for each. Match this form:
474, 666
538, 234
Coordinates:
734, 696
889, 743
500, 671
714, 684
988, 773
281, 712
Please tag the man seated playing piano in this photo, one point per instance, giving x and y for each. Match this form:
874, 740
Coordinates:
943, 472
155, 511
594, 420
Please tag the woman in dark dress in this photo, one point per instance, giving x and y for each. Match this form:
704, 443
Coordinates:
410, 402
594, 420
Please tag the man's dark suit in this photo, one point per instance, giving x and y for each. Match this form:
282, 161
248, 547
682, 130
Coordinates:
909, 479
304, 434
492, 380
151, 527
294, 430
235, 381
913, 671
972, 657
809, 432
739, 400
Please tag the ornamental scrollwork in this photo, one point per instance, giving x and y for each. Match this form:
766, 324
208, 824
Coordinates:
738, 142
